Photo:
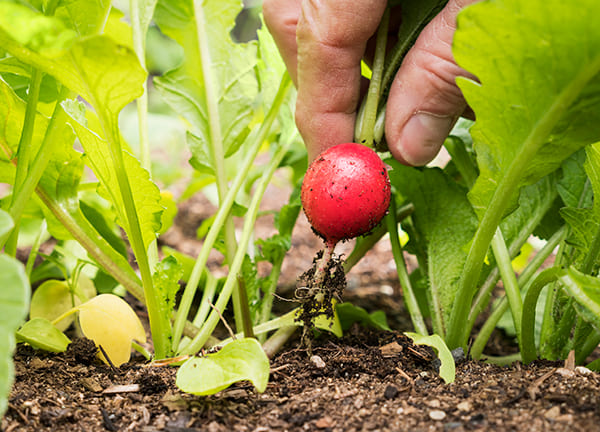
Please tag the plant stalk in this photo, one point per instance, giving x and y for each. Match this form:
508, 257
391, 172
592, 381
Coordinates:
408, 293
224, 209
365, 127
211, 322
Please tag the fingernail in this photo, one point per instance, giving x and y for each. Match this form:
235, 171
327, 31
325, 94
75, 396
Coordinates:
423, 135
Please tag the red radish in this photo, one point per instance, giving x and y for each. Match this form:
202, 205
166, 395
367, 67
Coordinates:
346, 192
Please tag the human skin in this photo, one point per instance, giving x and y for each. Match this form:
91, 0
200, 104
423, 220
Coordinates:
322, 43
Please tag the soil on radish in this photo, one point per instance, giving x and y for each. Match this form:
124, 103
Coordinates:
316, 297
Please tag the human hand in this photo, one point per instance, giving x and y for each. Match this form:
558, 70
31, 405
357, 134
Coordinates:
322, 43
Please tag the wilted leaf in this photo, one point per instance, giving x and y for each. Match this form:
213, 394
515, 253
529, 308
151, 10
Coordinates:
111, 323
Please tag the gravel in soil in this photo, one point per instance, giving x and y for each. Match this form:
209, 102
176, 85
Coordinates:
364, 381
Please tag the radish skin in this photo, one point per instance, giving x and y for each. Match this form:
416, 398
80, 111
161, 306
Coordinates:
346, 192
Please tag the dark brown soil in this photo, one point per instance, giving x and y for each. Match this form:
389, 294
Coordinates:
365, 381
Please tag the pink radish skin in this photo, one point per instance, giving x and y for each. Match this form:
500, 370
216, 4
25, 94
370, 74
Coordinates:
346, 192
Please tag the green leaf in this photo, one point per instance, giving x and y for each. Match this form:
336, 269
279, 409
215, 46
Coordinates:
573, 184
53, 298
34, 31
537, 92
240, 360
447, 367
166, 279
6, 223
14, 303
586, 292
584, 222
446, 223
350, 314
86, 17
12, 113
104, 73
233, 68
40, 333
147, 195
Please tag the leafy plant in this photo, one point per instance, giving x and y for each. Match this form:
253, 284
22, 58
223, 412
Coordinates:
70, 73
537, 101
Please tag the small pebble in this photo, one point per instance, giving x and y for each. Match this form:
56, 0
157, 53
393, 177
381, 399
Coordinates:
552, 413
582, 370
390, 392
317, 361
464, 406
437, 415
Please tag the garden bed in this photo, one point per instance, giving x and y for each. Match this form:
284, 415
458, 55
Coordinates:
365, 381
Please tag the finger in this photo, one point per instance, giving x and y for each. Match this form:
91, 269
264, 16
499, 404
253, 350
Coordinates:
281, 18
424, 101
331, 38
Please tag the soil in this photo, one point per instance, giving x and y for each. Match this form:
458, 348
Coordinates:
367, 380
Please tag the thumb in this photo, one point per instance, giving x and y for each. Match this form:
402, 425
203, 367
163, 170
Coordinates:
424, 100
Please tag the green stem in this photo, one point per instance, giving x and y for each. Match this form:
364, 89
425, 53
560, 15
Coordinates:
590, 344
508, 184
210, 287
524, 279
95, 245
366, 126
591, 258
24, 155
224, 209
39, 164
158, 325
269, 291
216, 146
528, 350
511, 287
278, 339
504, 360
35, 247
408, 293
365, 244
461, 158
139, 45
238, 259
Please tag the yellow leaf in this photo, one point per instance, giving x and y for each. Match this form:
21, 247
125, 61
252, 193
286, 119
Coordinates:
111, 323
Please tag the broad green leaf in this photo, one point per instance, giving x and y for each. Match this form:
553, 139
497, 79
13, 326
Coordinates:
537, 94
584, 222
147, 195
103, 72
86, 17
234, 85
447, 366
446, 222
40, 333
239, 360
14, 303
573, 184
586, 292
12, 113
53, 298
350, 314
166, 279
111, 323
33, 31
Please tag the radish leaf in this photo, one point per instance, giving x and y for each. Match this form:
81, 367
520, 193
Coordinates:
239, 360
